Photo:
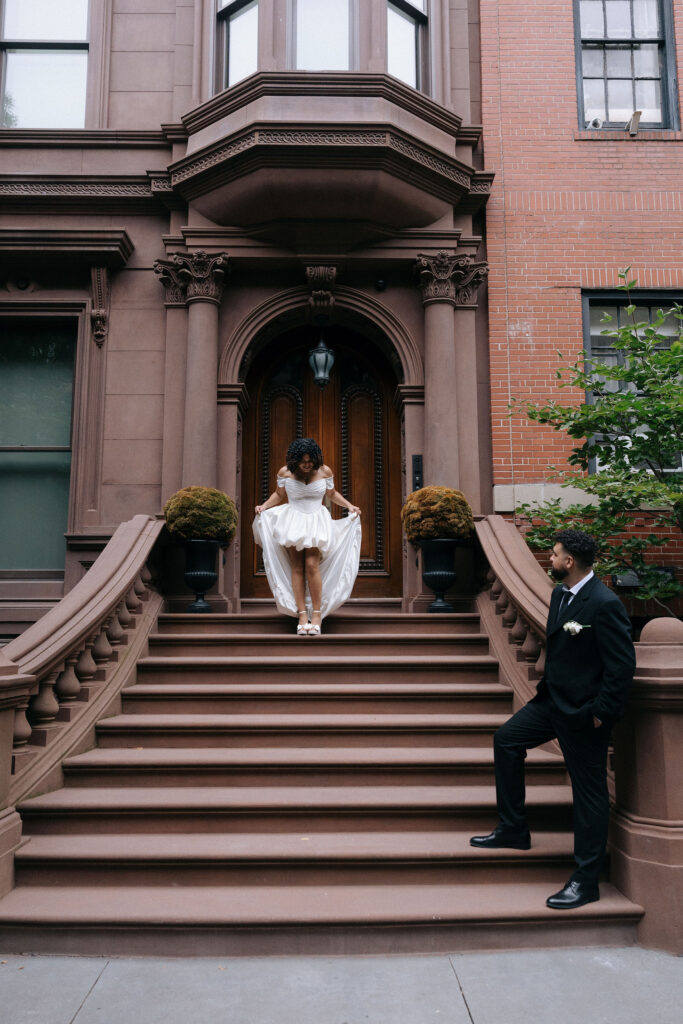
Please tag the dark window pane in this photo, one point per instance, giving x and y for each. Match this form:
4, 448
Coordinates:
618, 19
646, 60
45, 19
45, 88
619, 100
592, 19
594, 98
649, 100
36, 369
618, 62
646, 19
33, 510
593, 62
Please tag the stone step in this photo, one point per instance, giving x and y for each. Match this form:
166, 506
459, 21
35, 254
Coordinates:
296, 730
254, 859
167, 644
379, 621
307, 919
289, 766
389, 669
283, 809
315, 698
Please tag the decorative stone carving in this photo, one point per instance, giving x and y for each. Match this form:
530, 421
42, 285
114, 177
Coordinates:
191, 276
99, 317
449, 277
321, 281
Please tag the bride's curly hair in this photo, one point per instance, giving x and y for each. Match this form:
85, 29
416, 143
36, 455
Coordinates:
301, 447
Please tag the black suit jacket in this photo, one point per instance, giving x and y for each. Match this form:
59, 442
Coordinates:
591, 672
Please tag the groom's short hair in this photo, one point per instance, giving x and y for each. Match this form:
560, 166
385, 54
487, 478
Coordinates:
581, 546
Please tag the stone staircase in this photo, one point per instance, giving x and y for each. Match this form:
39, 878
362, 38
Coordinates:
257, 792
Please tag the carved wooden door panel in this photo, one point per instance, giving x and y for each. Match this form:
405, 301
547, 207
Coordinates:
354, 422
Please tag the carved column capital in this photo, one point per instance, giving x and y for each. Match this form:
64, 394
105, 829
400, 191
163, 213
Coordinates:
449, 277
321, 282
193, 276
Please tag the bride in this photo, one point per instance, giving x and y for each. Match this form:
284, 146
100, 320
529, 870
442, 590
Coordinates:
304, 549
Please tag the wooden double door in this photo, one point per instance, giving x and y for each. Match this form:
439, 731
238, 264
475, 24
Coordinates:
354, 421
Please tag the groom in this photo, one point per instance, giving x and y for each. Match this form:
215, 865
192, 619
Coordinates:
589, 667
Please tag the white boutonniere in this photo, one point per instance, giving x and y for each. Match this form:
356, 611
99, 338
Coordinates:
573, 628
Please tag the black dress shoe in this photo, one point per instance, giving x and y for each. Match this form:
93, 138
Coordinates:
574, 894
498, 839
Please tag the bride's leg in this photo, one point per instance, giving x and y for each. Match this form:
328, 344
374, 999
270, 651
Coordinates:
296, 560
315, 585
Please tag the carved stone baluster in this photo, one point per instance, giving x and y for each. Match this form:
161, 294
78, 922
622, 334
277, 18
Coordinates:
22, 729
140, 589
115, 632
145, 576
85, 665
496, 588
539, 667
133, 602
502, 602
101, 650
124, 616
531, 648
510, 615
68, 687
519, 631
44, 707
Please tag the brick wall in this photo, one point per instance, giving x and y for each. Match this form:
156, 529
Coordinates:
569, 209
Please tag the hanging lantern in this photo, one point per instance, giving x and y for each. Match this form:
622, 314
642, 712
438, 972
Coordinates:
321, 361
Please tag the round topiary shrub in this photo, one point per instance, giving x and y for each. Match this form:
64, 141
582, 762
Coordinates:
437, 512
201, 513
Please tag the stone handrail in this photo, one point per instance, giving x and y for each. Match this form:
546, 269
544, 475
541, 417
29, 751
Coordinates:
514, 610
64, 670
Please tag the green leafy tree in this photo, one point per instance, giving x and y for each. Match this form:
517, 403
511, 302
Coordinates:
631, 429
8, 119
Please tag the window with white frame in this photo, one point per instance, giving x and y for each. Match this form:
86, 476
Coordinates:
237, 41
600, 347
44, 63
406, 46
625, 63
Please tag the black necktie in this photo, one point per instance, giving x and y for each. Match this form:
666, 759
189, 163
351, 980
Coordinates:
565, 598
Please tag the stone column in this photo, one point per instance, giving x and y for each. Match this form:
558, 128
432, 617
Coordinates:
202, 276
446, 280
232, 404
175, 369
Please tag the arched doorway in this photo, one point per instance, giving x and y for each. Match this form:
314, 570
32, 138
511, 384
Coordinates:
354, 421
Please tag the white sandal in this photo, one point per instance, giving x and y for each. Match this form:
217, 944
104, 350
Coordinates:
302, 628
317, 629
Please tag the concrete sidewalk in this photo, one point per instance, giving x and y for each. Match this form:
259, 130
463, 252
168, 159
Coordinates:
591, 986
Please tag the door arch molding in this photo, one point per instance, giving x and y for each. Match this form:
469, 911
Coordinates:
290, 309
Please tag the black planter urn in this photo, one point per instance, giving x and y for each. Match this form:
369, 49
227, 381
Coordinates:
438, 569
200, 571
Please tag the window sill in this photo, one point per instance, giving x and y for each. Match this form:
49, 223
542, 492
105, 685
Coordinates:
622, 135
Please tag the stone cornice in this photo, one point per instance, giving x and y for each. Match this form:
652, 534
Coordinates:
87, 139
104, 247
327, 83
77, 190
352, 145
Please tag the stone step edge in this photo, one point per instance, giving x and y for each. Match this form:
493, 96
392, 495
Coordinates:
182, 662
268, 906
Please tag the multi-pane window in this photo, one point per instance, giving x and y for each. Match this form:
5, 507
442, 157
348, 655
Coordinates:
406, 26
322, 35
600, 347
37, 369
44, 51
238, 40
624, 65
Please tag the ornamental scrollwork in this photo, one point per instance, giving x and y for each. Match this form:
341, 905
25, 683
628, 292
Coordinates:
449, 277
190, 276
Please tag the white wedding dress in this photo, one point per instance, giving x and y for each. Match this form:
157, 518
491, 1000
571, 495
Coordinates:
304, 522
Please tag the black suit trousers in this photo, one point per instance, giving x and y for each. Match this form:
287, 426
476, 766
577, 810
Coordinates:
585, 755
